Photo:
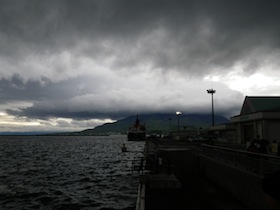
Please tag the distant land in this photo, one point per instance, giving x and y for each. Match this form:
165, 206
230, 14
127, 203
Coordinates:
23, 133
155, 123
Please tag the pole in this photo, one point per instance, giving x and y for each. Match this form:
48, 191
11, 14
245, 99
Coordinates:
178, 123
178, 113
213, 120
211, 91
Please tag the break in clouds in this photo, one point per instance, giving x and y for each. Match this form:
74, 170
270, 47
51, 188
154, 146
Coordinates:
109, 59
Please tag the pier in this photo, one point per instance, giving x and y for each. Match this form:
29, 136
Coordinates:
193, 175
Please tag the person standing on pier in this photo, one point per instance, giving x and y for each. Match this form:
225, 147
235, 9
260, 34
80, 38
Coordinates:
274, 148
278, 149
263, 146
253, 146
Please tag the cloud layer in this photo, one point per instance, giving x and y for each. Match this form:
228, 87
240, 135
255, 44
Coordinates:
88, 60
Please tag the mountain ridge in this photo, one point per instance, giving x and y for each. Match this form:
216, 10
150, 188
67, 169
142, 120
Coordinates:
156, 123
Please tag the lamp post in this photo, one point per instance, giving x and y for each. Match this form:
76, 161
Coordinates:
211, 91
178, 114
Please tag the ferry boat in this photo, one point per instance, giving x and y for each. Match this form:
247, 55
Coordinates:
136, 132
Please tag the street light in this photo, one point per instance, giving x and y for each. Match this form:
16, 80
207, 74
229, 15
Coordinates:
178, 114
211, 91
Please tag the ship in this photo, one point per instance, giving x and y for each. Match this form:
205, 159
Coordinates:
136, 132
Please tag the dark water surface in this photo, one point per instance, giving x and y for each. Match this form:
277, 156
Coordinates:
67, 172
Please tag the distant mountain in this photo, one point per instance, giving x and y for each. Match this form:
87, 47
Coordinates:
156, 123
22, 133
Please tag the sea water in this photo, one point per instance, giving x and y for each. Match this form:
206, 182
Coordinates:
76, 172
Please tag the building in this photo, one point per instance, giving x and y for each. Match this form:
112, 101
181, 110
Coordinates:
260, 115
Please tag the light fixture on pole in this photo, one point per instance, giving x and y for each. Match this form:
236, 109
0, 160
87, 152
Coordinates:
178, 114
211, 91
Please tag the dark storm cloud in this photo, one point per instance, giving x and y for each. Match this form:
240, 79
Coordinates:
36, 112
186, 35
50, 99
192, 37
79, 98
17, 89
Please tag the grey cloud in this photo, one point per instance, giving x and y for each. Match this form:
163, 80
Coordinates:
17, 88
107, 102
193, 35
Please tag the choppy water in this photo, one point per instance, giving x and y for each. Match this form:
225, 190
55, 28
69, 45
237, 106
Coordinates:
67, 173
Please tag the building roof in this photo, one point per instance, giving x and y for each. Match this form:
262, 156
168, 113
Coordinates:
254, 104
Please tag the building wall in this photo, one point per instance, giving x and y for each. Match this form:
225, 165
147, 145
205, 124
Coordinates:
273, 130
260, 129
245, 186
250, 129
239, 135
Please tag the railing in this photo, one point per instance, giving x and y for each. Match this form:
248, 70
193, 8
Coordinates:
253, 162
140, 203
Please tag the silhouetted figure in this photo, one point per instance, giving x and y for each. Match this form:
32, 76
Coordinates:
263, 145
253, 146
124, 148
257, 141
278, 149
274, 148
248, 143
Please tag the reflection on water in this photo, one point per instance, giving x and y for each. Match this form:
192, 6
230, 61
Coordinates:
67, 173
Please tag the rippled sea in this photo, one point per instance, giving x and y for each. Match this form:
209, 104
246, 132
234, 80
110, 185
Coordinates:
42, 172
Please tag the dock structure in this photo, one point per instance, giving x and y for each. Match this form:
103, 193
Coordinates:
189, 175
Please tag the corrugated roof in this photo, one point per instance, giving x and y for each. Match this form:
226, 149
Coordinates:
254, 104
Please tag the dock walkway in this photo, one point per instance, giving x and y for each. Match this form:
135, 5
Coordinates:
197, 191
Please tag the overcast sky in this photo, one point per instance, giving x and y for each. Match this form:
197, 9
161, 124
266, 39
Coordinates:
70, 65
